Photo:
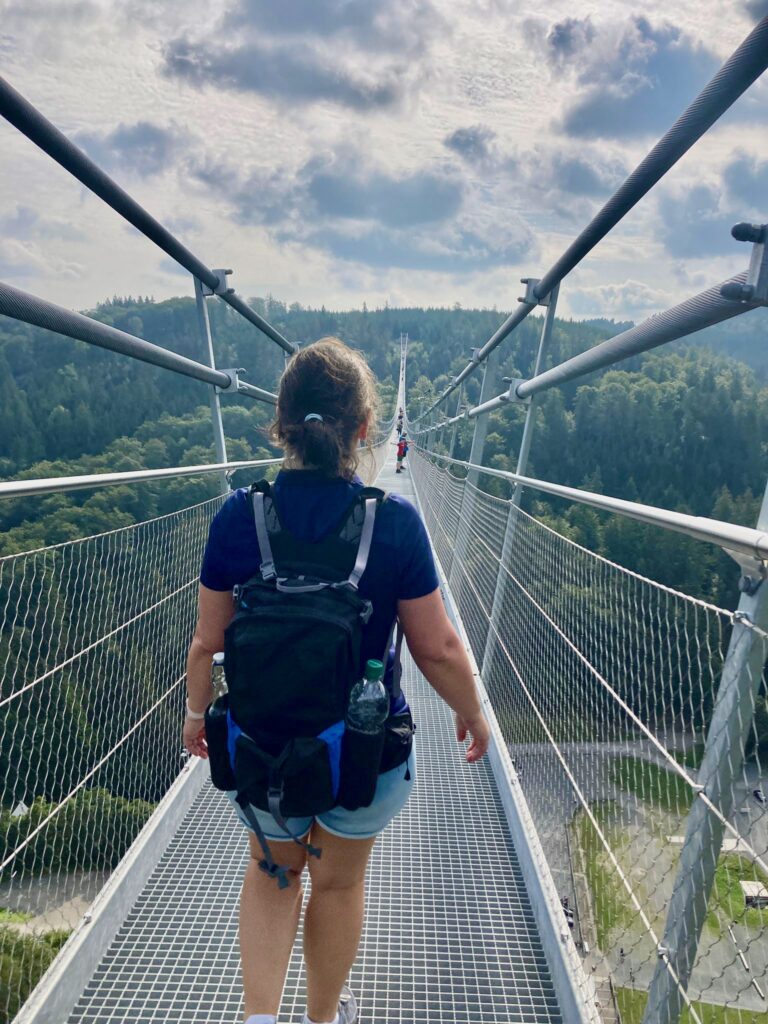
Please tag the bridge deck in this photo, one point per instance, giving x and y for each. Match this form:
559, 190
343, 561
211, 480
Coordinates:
449, 931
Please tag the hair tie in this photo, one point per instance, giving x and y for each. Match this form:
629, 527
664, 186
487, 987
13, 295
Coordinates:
313, 416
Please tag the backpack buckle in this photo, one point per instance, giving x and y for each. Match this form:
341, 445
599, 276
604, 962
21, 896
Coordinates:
276, 871
366, 612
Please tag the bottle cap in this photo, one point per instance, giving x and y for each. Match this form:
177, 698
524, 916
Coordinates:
374, 669
218, 658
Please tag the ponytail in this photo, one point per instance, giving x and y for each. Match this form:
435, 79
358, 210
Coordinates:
326, 395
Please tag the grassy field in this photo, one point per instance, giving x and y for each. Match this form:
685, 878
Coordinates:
609, 897
726, 904
23, 961
632, 1004
652, 784
690, 758
14, 916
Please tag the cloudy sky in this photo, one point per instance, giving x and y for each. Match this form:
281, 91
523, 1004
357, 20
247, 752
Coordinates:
420, 152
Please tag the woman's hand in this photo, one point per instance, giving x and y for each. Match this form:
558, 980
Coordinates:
479, 732
193, 737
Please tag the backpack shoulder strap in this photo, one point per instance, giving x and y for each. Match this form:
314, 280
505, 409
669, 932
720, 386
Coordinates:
370, 498
396, 633
260, 495
364, 547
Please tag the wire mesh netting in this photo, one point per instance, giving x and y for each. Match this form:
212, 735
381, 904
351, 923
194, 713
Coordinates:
603, 684
93, 642
93, 648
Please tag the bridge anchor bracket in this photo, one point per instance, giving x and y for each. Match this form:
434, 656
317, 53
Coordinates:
755, 289
511, 395
222, 288
753, 570
234, 381
530, 292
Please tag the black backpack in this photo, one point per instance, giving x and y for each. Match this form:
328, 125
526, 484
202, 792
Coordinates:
292, 656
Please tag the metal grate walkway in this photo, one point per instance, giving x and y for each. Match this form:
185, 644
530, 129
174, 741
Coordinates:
449, 932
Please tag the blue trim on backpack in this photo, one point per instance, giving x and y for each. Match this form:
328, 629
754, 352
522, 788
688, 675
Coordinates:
332, 736
233, 731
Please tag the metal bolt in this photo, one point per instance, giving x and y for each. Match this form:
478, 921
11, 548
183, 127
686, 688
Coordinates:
744, 232
737, 292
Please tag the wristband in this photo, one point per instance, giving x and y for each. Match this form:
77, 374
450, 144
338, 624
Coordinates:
196, 716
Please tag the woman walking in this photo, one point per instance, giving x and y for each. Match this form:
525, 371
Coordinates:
326, 405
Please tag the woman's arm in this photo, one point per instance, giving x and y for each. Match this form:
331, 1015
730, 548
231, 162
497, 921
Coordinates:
440, 655
214, 614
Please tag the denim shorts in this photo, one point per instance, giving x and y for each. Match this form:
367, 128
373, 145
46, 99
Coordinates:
392, 791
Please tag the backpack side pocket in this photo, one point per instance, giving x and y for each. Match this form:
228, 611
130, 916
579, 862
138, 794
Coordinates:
360, 767
217, 741
398, 740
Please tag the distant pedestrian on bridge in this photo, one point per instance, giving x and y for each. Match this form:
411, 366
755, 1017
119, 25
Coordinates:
402, 451
326, 406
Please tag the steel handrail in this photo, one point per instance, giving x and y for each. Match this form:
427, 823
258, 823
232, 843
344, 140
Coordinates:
703, 310
742, 540
58, 484
30, 309
745, 65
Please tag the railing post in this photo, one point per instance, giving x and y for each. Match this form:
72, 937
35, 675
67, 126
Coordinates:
721, 765
522, 465
456, 424
487, 388
204, 326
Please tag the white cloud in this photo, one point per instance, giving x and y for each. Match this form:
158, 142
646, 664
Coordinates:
628, 300
340, 189
24, 261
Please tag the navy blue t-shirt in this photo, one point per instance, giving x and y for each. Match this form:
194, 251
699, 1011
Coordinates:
400, 564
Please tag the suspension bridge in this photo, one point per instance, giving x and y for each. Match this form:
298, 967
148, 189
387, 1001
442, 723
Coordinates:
584, 872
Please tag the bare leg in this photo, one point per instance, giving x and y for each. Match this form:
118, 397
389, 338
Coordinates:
334, 918
269, 919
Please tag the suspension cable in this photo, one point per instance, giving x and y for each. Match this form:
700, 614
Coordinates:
24, 116
745, 65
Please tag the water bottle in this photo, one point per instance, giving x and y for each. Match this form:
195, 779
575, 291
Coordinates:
369, 701
218, 678
216, 728
363, 740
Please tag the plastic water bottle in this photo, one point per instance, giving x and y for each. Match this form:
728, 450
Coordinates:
216, 728
369, 701
218, 678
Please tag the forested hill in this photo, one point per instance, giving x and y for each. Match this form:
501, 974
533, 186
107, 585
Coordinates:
684, 428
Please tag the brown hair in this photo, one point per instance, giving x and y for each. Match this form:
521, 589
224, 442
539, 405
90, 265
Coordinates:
335, 382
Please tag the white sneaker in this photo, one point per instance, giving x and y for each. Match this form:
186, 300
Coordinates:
347, 1007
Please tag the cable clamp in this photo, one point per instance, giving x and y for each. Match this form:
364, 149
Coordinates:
234, 381
222, 288
511, 395
663, 952
742, 617
754, 291
530, 297
475, 356
753, 570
